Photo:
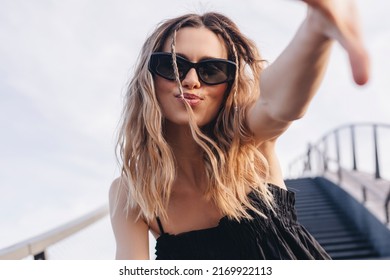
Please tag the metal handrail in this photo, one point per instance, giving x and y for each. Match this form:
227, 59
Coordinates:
37, 246
335, 133
321, 149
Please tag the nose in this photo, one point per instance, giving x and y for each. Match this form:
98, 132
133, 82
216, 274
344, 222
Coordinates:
191, 80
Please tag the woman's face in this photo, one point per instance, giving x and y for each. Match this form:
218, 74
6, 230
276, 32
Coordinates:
194, 44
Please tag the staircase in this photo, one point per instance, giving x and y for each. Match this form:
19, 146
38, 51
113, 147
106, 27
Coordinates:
325, 220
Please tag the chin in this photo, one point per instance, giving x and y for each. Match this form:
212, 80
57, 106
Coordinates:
184, 121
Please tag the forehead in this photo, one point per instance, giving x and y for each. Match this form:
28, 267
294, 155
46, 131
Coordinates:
197, 43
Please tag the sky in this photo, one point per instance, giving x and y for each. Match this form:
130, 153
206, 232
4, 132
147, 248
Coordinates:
63, 73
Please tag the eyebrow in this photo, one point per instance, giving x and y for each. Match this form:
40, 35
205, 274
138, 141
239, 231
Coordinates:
202, 58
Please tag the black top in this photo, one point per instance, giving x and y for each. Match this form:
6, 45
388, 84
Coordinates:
278, 237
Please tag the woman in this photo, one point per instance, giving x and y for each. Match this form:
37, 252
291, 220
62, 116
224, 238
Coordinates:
198, 136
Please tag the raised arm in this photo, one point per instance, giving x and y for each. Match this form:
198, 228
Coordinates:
289, 84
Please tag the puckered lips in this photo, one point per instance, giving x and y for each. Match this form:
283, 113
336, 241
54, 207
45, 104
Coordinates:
190, 98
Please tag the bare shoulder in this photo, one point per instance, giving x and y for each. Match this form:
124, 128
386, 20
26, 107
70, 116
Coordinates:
131, 232
118, 195
118, 191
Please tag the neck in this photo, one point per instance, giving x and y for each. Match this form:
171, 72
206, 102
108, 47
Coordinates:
188, 155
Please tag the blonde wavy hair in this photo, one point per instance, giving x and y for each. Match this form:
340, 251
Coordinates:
233, 162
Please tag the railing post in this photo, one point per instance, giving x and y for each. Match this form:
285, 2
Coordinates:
40, 256
364, 192
336, 135
377, 171
353, 142
325, 156
308, 156
387, 208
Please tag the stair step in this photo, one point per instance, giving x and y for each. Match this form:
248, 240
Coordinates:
340, 234
314, 230
347, 246
326, 224
339, 240
312, 208
304, 214
322, 204
354, 254
317, 216
320, 215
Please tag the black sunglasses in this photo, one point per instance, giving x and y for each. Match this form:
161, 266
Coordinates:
210, 71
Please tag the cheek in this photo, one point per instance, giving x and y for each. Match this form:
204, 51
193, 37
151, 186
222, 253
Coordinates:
163, 86
219, 92
165, 91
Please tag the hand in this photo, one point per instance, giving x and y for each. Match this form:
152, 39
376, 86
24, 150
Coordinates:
338, 20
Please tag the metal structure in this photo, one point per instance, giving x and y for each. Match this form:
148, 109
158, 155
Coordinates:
319, 158
37, 246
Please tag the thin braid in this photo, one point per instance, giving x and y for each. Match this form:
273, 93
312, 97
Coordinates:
175, 68
235, 84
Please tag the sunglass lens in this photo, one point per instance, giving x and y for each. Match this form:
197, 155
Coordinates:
163, 66
214, 72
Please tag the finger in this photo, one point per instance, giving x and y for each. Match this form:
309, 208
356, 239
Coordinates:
360, 64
